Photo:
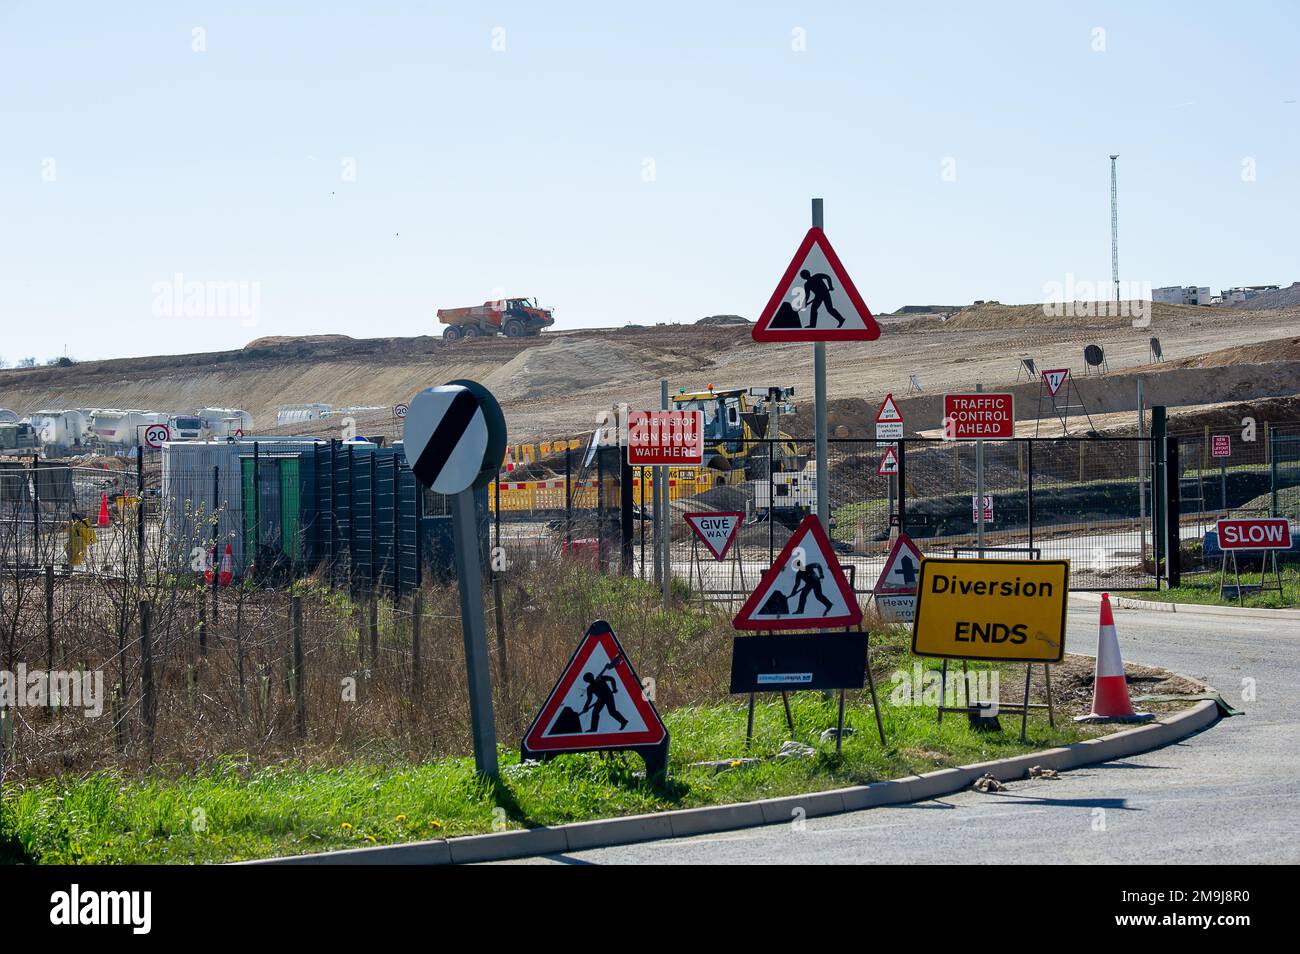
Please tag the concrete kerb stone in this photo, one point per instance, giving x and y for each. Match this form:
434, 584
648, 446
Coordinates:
697, 821
1207, 609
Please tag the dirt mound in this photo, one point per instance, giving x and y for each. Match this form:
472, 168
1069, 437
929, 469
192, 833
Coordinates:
1261, 352
1288, 297
1052, 315
723, 320
276, 341
575, 363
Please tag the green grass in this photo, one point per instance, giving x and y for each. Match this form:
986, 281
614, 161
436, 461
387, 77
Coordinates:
231, 811
1204, 588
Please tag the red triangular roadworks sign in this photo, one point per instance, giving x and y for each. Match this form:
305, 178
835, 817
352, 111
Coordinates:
902, 564
563, 726
1055, 378
816, 255
717, 531
772, 604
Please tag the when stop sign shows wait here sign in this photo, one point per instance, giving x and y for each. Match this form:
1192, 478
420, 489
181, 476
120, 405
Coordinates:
1258, 533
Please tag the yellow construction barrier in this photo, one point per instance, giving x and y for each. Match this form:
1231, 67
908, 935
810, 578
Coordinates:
524, 496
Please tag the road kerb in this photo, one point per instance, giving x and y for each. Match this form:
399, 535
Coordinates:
1208, 609
608, 832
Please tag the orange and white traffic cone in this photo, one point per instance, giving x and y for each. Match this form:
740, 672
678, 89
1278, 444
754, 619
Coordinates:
102, 519
227, 568
1110, 702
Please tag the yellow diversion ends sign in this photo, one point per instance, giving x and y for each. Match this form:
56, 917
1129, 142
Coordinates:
991, 609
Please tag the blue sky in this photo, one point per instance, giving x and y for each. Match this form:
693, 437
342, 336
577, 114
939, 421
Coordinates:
128, 157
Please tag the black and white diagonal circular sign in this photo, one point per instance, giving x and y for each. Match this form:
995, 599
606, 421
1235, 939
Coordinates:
452, 435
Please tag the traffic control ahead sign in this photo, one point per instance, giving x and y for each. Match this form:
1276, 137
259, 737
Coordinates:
979, 416
1012, 610
815, 300
669, 438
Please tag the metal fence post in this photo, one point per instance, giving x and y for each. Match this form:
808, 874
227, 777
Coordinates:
902, 486
216, 522
1159, 490
49, 628
1172, 560
1272, 471
1029, 490
625, 511
139, 514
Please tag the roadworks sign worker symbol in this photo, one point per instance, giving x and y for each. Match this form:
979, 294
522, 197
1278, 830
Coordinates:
815, 300
991, 609
598, 703
804, 589
716, 531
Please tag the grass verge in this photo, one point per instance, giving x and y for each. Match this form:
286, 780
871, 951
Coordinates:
1204, 589
231, 810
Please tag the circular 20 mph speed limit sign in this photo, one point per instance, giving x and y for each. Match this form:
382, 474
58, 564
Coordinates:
155, 435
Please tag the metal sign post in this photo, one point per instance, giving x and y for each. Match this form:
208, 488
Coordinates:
454, 438
819, 392
661, 483
979, 490
464, 522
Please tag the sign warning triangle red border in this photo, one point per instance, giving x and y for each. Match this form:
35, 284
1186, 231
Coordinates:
1047, 379
888, 463
601, 634
870, 331
901, 543
746, 618
888, 410
738, 517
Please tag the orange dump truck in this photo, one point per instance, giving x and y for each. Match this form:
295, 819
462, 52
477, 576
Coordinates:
512, 317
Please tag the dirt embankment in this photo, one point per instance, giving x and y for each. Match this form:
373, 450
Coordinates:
552, 385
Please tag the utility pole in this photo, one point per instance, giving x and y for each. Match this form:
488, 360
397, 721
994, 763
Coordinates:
1114, 230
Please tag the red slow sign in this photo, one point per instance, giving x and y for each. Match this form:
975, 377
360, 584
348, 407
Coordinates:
979, 416
1257, 533
665, 437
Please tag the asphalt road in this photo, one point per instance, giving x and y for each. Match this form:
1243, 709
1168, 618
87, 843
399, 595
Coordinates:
1226, 795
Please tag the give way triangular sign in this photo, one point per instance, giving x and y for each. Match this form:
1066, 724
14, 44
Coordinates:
815, 300
598, 703
901, 567
716, 530
804, 589
1055, 378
